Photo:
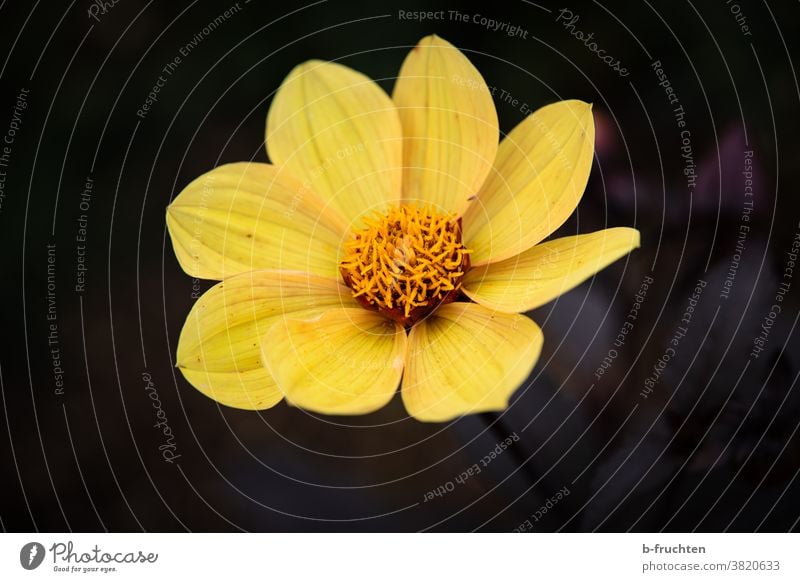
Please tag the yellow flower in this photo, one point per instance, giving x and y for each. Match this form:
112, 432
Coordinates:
390, 239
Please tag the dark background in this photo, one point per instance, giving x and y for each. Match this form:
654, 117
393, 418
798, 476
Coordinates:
714, 446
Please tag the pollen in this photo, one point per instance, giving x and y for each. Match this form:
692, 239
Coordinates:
406, 262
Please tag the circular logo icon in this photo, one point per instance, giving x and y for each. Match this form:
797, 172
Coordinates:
31, 555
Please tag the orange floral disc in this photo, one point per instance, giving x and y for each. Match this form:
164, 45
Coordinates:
406, 262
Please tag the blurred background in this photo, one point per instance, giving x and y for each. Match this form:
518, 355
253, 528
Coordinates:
607, 434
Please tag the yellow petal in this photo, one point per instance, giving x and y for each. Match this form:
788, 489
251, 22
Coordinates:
251, 390
547, 270
246, 216
338, 131
348, 361
537, 181
219, 349
467, 359
450, 129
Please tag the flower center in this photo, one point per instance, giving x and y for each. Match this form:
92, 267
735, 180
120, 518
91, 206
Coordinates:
406, 262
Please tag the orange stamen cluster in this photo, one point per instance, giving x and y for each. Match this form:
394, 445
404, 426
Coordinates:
405, 262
